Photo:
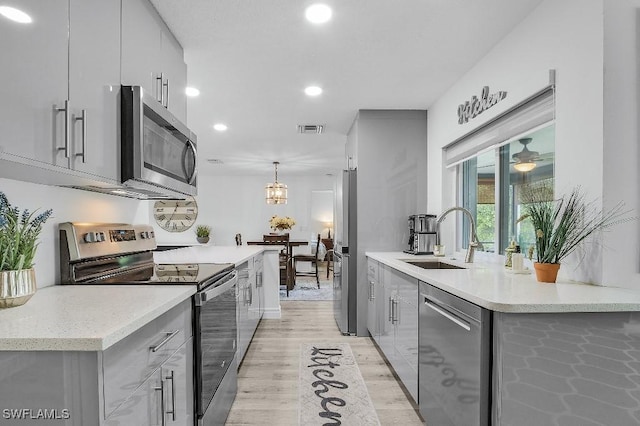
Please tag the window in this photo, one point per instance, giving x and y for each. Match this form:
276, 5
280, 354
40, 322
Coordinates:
496, 159
492, 183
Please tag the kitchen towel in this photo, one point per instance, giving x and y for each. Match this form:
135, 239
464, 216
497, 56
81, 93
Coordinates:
331, 388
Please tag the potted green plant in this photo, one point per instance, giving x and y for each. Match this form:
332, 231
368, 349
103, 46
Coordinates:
562, 224
19, 232
202, 233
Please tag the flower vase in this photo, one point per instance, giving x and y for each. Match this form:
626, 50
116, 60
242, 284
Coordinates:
17, 287
202, 240
546, 272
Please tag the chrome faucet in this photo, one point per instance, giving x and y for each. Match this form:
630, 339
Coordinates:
473, 238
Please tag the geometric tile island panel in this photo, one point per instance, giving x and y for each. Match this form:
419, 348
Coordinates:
571, 369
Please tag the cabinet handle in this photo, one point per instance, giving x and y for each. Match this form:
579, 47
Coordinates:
166, 100
83, 118
173, 397
161, 389
159, 91
67, 126
169, 336
390, 310
395, 312
372, 290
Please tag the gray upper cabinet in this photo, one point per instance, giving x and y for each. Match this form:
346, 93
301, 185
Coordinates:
94, 84
60, 84
35, 79
152, 57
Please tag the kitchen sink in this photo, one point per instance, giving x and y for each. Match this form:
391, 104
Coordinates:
432, 264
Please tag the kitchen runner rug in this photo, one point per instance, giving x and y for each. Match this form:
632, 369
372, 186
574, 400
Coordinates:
331, 388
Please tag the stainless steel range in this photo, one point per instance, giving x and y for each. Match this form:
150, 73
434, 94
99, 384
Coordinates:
123, 254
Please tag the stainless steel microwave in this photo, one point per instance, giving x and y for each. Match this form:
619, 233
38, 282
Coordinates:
158, 152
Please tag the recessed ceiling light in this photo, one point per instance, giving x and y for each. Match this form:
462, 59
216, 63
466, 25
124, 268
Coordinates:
220, 127
15, 15
191, 91
318, 13
313, 91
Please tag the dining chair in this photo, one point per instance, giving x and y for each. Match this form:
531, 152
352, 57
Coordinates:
328, 257
313, 258
287, 278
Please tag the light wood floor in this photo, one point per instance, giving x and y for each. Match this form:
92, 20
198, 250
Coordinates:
268, 376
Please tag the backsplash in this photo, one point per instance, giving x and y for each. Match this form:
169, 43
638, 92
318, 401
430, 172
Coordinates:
69, 205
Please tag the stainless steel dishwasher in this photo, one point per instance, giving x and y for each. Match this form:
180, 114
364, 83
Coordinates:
454, 360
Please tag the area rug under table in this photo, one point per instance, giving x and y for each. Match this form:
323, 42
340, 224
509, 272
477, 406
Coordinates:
308, 290
331, 388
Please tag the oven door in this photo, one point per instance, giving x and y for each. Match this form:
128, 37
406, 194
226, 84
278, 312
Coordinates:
156, 147
215, 338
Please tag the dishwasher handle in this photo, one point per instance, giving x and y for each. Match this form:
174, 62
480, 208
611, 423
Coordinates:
445, 313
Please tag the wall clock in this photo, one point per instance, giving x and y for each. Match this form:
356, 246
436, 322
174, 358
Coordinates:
175, 215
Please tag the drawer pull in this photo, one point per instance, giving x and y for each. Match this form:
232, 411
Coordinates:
169, 336
173, 397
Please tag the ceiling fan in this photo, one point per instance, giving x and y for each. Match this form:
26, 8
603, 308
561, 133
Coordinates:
525, 160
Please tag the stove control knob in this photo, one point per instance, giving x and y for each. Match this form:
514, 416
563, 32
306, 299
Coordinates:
100, 236
90, 237
144, 235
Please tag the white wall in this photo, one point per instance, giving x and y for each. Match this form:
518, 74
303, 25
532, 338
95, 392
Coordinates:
69, 205
621, 153
565, 35
236, 204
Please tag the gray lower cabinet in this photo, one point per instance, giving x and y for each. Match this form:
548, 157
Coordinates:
393, 320
250, 302
165, 398
373, 299
144, 379
404, 319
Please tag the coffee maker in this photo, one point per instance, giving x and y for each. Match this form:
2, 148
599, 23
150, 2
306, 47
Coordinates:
423, 233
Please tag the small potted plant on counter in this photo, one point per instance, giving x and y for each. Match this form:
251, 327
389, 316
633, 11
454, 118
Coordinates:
202, 233
562, 224
19, 234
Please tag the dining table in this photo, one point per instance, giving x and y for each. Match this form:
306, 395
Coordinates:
286, 275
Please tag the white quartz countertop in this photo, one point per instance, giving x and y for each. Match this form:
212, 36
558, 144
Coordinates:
208, 254
85, 318
491, 286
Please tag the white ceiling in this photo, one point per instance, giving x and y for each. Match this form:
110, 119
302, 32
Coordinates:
252, 59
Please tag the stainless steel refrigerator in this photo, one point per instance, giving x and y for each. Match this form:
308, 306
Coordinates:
345, 295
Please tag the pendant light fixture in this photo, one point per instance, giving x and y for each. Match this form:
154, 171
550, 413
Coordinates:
276, 193
525, 159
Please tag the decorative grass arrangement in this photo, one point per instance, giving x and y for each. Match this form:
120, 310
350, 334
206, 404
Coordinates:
19, 234
562, 224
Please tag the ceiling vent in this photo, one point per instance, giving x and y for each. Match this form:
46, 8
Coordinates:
215, 161
310, 128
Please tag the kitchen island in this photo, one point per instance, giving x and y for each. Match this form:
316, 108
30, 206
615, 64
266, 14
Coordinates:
236, 255
553, 354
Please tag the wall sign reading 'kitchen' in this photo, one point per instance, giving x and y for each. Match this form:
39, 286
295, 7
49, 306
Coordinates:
475, 106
